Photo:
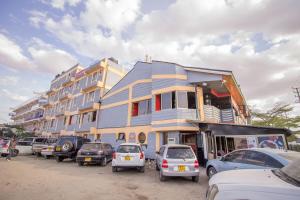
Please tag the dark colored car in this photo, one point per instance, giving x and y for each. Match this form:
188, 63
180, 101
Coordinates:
68, 146
95, 153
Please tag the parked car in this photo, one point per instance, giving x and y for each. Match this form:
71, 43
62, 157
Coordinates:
260, 158
4, 148
256, 184
47, 149
95, 153
37, 146
177, 160
129, 155
24, 146
68, 146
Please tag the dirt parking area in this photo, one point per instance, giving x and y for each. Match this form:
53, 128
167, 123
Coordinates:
28, 177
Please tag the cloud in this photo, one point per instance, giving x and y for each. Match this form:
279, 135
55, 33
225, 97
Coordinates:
42, 57
60, 4
10, 95
9, 80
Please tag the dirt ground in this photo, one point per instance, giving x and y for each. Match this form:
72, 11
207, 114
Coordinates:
28, 177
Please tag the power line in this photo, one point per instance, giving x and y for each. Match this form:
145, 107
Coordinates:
296, 91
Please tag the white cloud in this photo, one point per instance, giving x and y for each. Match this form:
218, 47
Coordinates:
10, 95
42, 57
8, 80
60, 4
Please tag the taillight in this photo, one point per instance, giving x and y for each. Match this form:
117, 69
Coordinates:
114, 155
196, 164
164, 164
141, 155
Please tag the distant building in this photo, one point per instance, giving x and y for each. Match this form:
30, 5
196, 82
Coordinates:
30, 114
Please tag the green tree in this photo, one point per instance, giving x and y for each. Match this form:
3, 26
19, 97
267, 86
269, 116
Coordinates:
278, 116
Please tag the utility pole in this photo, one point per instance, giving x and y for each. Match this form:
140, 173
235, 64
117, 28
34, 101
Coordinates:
296, 91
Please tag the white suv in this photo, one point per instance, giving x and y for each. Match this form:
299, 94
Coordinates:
129, 155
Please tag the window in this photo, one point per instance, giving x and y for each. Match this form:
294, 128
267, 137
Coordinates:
94, 116
142, 138
65, 120
191, 100
236, 157
161, 151
98, 136
141, 107
180, 153
182, 99
94, 76
90, 96
70, 119
52, 122
166, 100
157, 102
261, 159
128, 149
121, 136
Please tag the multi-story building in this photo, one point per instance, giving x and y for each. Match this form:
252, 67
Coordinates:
74, 98
30, 114
159, 102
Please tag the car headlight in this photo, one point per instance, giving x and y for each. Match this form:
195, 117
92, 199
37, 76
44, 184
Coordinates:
212, 192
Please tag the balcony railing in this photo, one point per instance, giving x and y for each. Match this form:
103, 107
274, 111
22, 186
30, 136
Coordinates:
212, 114
89, 105
91, 85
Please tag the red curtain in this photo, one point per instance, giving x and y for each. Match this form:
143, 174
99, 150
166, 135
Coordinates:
135, 109
158, 102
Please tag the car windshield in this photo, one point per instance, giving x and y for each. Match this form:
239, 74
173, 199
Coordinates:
91, 146
51, 140
180, 153
128, 149
290, 173
40, 140
62, 140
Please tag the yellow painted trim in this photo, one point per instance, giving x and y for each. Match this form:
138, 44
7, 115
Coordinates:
114, 70
175, 128
129, 110
157, 142
127, 87
68, 113
114, 104
200, 103
174, 88
170, 76
141, 98
93, 130
169, 121
95, 106
127, 129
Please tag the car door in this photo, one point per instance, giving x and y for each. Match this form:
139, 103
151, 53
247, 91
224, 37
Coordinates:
260, 160
232, 161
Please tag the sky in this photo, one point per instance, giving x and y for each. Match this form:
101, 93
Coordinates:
259, 40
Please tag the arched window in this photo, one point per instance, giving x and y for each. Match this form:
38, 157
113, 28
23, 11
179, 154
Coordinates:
142, 138
121, 136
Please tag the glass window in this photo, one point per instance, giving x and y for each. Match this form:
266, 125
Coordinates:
180, 153
158, 102
142, 107
173, 100
94, 115
182, 99
191, 100
121, 136
128, 149
91, 146
161, 151
261, 159
149, 106
237, 157
142, 138
166, 100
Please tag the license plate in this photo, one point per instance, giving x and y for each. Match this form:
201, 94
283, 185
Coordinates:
87, 159
58, 148
181, 168
127, 158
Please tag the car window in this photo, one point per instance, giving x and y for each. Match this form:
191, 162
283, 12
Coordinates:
180, 153
236, 156
261, 159
161, 151
128, 149
40, 140
91, 146
28, 139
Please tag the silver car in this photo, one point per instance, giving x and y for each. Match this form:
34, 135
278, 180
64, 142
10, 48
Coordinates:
129, 155
177, 160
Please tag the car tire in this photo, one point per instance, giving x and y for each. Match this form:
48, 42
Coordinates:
156, 167
195, 179
211, 171
47, 157
80, 164
67, 146
15, 152
162, 178
104, 162
142, 169
59, 159
114, 169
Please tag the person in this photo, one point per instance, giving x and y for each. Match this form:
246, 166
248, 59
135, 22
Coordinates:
11, 147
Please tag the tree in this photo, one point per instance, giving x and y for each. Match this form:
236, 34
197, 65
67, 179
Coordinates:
278, 116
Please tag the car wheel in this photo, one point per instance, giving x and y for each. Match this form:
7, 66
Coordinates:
104, 162
15, 152
211, 171
80, 164
47, 157
195, 179
59, 159
162, 178
67, 146
142, 169
114, 169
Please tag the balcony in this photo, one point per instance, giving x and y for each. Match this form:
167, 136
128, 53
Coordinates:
95, 67
65, 96
48, 104
92, 85
215, 115
59, 113
68, 81
89, 106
